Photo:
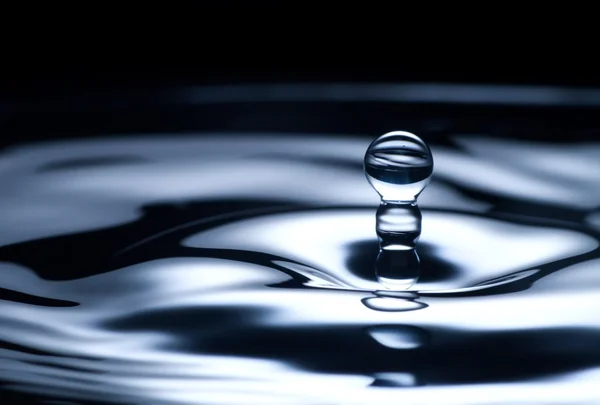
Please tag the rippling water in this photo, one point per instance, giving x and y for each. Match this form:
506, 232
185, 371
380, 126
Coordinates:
227, 269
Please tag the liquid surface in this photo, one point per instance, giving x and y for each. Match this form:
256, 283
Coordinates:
228, 270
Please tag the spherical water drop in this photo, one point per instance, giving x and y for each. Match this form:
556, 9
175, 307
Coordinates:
398, 165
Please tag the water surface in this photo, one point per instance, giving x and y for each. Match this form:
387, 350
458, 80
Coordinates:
222, 268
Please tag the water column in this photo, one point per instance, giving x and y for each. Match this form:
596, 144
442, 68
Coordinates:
398, 165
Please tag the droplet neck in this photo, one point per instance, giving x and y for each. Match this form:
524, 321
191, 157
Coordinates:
397, 202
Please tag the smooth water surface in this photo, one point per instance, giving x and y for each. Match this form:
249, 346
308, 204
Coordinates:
227, 269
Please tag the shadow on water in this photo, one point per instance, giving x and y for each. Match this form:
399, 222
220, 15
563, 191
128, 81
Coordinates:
67, 257
191, 323
17, 296
22, 398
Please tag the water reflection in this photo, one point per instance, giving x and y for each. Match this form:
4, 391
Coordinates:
394, 303
330, 245
397, 269
281, 305
394, 380
400, 337
398, 228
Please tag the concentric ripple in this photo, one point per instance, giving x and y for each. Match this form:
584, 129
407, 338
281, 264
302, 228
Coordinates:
232, 270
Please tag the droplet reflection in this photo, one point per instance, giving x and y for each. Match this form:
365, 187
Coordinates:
394, 380
397, 269
393, 303
401, 337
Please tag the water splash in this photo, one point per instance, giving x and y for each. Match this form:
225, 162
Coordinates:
398, 165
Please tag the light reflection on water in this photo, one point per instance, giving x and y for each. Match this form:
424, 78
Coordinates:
281, 305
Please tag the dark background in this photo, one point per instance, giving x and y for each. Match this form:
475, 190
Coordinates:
52, 100
22, 81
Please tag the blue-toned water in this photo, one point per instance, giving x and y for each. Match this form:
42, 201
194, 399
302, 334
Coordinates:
223, 268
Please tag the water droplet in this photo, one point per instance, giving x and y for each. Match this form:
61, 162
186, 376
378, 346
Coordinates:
398, 226
398, 165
